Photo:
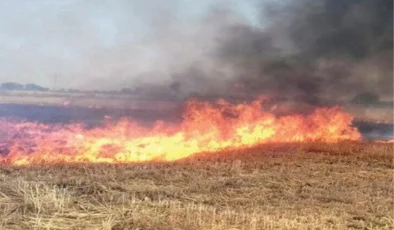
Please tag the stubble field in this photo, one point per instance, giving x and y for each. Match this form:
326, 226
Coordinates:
308, 186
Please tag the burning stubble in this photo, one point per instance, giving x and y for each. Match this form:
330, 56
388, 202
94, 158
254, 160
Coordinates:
311, 54
290, 159
206, 127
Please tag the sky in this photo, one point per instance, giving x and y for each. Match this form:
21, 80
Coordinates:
108, 43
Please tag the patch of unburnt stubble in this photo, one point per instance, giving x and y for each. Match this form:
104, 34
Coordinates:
321, 186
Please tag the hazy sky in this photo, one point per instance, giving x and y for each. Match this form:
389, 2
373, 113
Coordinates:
88, 43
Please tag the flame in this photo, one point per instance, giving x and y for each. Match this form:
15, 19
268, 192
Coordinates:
206, 127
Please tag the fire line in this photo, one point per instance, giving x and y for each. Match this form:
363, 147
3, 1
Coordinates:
206, 127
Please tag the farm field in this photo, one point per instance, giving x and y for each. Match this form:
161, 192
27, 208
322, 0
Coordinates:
275, 186
344, 185
112, 103
203, 115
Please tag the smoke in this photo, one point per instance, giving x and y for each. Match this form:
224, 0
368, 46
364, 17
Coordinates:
315, 50
101, 45
318, 52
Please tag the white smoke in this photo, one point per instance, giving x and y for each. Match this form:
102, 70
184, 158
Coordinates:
104, 44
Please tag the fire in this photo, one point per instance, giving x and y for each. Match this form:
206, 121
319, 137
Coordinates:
206, 127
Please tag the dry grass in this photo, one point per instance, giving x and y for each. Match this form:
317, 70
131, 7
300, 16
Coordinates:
314, 186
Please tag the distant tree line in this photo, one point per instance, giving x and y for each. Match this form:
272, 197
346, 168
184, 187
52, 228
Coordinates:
12, 86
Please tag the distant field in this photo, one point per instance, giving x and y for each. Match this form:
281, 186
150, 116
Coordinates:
93, 100
382, 114
310, 186
372, 114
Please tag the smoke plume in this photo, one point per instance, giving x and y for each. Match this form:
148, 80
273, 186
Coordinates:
315, 50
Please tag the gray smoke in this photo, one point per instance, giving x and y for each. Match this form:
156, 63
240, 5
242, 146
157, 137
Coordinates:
316, 49
103, 45
309, 50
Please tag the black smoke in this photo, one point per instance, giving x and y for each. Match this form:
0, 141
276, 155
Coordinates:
313, 50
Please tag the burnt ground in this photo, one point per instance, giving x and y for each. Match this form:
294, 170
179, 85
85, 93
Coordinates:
375, 131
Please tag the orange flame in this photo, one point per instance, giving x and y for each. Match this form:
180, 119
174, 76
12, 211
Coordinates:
206, 127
